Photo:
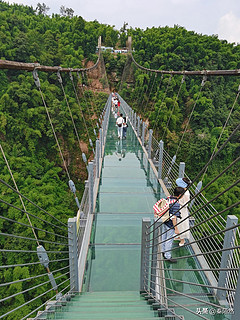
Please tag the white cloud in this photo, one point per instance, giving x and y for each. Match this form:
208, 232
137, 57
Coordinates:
229, 27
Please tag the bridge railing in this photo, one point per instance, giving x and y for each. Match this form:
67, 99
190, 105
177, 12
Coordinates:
43, 275
49, 273
214, 240
83, 221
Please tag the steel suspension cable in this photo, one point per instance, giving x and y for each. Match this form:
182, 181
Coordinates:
149, 95
89, 98
26, 303
69, 109
30, 214
30, 251
159, 86
235, 72
174, 103
71, 183
197, 269
164, 305
81, 111
214, 156
105, 73
213, 199
197, 254
202, 84
145, 93
31, 239
214, 234
15, 184
32, 288
191, 297
37, 206
163, 98
201, 254
124, 72
177, 304
226, 122
44, 304
140, 98
208, 219
37, 82
30, 226
31, 278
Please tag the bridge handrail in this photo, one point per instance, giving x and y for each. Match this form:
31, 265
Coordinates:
221, 271
59, 278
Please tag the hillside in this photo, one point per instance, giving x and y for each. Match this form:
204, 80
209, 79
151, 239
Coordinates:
70, 41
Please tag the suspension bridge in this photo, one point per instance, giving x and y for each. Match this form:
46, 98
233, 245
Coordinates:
106, 262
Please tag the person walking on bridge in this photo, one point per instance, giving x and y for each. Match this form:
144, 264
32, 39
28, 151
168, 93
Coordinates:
184, 200
125, 125
169, 227
119, 123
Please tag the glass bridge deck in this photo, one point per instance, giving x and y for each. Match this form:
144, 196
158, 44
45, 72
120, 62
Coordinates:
128, 189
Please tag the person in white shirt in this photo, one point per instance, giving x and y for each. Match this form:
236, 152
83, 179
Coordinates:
116, 104
125, 125
119, 123
184, 225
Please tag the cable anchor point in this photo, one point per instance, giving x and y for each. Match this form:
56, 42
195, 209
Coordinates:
59, 76
36, 78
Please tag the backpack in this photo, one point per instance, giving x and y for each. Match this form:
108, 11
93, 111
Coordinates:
161, 209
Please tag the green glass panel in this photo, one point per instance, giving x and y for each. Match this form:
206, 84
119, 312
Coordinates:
127, 203
130, 160
115, 268
130, 185
123, 172
119, 228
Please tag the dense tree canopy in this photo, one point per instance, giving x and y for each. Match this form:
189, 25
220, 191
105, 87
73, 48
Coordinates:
168, 110
30, 35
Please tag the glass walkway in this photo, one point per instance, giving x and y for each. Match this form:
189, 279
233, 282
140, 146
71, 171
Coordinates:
128, 189
126, 195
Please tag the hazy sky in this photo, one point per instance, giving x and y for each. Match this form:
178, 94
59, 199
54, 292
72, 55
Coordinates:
221, 17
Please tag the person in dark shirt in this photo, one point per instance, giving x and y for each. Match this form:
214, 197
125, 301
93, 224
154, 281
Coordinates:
169, 228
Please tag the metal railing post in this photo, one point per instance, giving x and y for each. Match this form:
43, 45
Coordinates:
143, 132
236, 306
155, 245
138, 126
198, 188
131, 116
90, 186
160, 160
97, 156
144, 254
226, 255
171, 165
181, 170
101, 142
73, 258
150, 144
135, 120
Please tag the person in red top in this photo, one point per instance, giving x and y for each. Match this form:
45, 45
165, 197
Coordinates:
169, 227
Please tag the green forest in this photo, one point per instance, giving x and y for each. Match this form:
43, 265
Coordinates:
29, 35
167, 105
